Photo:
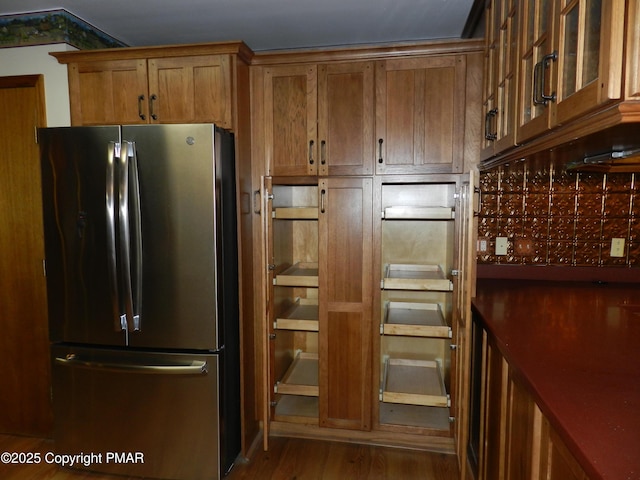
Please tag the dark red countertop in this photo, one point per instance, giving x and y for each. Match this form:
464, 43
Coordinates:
577, 347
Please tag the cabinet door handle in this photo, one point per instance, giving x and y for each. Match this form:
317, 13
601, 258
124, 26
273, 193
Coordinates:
380, 142
487, 125
140, 112
152, 102
310, 152
323, 194
539, 84
323, 154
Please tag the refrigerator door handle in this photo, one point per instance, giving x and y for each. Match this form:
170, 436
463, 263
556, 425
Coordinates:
136, 238
196, 367
113, 153
124, 221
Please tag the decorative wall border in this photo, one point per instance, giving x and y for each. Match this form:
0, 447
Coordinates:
52, 26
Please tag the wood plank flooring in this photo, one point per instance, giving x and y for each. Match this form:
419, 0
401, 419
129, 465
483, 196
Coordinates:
287, 459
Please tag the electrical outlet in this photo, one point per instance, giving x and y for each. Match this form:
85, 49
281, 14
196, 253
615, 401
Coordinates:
523, 246
502, 243
617, 247
483, 244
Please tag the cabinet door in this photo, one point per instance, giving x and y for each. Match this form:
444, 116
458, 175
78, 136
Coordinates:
537, 68
570, 61
345, 118
345, 302
465, 280
501, 73
108, 92
420, 115
290, 104
557, 463
493, 424
590, 47
191, 90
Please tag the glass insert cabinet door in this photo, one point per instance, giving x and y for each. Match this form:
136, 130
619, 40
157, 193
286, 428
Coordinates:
570, 60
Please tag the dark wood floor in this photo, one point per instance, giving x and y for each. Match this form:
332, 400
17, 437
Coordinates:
287, 459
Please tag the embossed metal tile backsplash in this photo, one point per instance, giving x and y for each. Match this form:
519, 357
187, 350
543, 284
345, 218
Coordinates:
568, 217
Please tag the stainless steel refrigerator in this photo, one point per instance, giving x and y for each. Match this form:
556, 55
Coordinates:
142, 285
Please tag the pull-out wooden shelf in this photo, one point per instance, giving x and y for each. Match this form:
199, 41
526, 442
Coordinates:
418, 213
415, 277
295, 213
302, 376
302, 315
415, 319
302, 274
413, 382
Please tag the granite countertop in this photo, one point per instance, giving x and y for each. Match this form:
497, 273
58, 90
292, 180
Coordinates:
576, 345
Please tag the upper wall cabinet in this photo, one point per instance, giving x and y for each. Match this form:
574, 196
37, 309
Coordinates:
420, 114
138, 85
319, 119
499, 97
570, 61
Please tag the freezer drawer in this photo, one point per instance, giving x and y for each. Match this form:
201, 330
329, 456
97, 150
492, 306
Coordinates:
144, 414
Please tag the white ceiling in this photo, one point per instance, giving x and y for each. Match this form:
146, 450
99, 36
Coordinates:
263, 24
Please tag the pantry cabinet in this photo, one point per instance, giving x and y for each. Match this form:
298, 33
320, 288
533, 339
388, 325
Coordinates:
319, 119
152, 85
367, 278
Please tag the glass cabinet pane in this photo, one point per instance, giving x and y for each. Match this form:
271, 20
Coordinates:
591, 61
570, 51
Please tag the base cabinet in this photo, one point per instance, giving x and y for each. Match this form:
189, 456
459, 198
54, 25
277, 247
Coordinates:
516, 440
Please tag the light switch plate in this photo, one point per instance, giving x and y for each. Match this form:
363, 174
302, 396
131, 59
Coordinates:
617, 247
502, 243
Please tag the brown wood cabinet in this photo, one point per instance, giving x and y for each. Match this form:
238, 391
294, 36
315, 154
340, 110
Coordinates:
181, 84
499, 97
573, 83
342, 339
516, 440
319, 119
570, 61
345, 301
420, 115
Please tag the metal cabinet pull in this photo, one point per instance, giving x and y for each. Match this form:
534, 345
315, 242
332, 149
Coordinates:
539, 84
488, 134
323, 194
140, 112
152, 100
323, 152
310, 152
380, 141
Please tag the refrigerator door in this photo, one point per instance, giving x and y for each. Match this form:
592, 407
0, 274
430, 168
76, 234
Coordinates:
188, 235
78, 164
139, 413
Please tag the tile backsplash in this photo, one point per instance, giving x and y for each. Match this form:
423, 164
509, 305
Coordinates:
551, 216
